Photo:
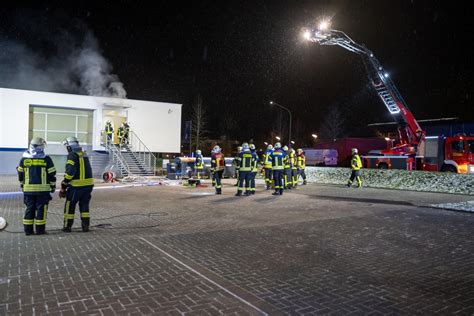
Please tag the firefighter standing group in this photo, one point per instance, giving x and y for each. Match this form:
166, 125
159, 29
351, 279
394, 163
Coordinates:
282, 168
37, 176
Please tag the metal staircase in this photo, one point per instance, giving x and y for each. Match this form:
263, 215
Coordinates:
132, 158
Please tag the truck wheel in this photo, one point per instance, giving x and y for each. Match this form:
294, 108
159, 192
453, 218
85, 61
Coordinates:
382, 165
449, 168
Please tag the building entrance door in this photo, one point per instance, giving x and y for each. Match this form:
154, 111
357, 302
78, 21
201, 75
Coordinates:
116, 117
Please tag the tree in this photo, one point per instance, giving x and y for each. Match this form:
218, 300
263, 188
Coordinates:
333, 124
199, 119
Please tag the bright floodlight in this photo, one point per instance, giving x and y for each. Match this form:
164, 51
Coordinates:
265, 143
271, 102
277, 137
385, 75
387, 139
324, 25
314, 136
293, 142
307, 35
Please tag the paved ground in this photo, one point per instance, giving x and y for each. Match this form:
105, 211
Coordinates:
167, 249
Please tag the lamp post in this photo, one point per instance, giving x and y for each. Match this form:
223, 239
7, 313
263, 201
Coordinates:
315, 137
289, 113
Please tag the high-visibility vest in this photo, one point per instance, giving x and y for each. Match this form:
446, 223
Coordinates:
356, 163
199, 162
301, 163
267, 163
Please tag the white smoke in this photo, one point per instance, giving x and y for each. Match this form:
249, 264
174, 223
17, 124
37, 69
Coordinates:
76, 66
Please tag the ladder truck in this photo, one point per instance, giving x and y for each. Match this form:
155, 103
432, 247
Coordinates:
415, 151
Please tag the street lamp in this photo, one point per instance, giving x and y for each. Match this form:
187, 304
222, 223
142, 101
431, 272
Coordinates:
289, 113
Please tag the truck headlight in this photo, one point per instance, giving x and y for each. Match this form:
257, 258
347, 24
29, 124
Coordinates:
470, 169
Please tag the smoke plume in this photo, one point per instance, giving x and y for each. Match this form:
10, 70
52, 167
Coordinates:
65, 62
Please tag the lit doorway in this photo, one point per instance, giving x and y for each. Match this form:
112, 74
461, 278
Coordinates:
117, 117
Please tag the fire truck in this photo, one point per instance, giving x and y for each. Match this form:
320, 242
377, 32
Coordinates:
415, 150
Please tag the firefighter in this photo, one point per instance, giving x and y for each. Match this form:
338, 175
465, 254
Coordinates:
301, 165
294, 168
236, 164
121, 135
246, 160
253, 173
77, 185
126, 134
109, 131
198, 164
217, 168
287, 169
277, 158
356, 164
37, 176
267, 167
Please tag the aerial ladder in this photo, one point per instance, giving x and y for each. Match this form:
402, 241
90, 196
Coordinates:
410, 133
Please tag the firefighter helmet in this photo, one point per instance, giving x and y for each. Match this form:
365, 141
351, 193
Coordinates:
285, 148
277, 145
299, 151
354, 151
71, 143
37, 144
239, 149
198, 151
252, 146
269, 147
216, 149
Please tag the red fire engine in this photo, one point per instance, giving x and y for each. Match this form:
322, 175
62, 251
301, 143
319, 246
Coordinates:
415, 150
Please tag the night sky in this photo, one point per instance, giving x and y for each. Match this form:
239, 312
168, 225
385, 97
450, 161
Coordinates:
238, 55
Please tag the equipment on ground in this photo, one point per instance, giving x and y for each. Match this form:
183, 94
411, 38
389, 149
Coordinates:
3, 223
410, 152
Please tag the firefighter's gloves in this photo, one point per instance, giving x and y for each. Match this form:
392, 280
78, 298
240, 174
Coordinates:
62, 192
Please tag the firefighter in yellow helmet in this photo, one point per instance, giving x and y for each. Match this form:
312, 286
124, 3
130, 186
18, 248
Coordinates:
37, 176
356, 165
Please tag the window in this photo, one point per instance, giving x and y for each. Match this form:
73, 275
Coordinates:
470, 145
56, 124
457, 146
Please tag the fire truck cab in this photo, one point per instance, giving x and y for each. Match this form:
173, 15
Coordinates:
450, 154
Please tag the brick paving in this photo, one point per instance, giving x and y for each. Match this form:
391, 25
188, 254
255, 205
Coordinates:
171, 250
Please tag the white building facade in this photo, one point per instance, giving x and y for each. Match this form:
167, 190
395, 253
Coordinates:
26, 114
